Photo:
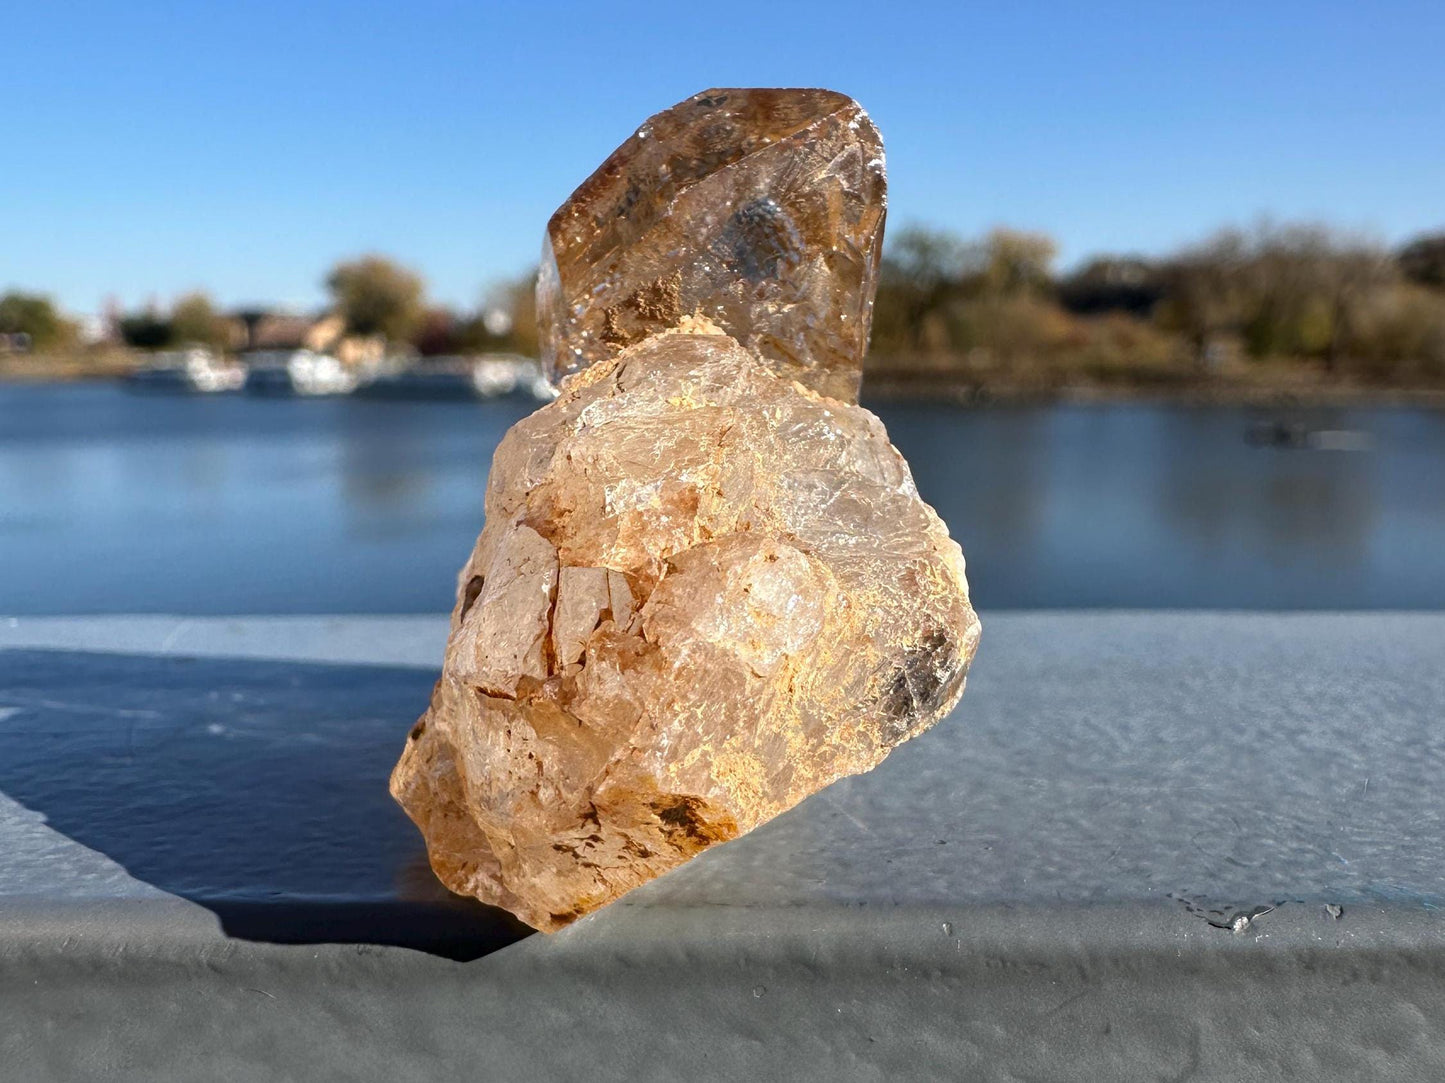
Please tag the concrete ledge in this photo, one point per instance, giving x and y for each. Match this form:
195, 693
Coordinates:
401, 641
916, 993
1147, 846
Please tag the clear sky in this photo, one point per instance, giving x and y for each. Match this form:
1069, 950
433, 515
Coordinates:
151, 148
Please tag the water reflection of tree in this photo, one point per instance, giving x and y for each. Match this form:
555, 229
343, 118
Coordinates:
985, 473
1265, 526
410, 468
385, 459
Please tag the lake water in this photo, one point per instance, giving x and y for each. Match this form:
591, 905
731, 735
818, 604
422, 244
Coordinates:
112, 502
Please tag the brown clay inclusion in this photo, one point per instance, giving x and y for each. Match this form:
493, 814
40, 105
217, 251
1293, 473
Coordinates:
705, 590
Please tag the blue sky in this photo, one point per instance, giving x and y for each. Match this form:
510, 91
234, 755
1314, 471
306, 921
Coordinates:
152, 148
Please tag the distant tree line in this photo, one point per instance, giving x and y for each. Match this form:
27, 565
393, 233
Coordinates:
981, 310
374, 296
1294, 293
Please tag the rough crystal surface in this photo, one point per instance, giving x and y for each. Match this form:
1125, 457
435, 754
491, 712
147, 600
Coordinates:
707, 586
761, 210
702, 593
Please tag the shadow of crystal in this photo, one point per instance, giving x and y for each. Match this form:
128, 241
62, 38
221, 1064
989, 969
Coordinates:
254, 788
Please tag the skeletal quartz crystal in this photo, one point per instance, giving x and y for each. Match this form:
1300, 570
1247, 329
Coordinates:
705, 589
761, 210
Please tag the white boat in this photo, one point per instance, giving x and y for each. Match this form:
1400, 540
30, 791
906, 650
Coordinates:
194, 369
496, 376
320, 374
299, 372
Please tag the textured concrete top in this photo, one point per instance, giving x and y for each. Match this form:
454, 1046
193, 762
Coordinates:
1124, 784
1213, 759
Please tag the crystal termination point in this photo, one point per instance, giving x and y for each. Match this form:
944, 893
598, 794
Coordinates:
760, 210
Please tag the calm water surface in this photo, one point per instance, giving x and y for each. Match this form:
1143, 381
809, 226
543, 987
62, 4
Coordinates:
112, 502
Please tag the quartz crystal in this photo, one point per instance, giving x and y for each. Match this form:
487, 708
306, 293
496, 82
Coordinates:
759, 209
704, 589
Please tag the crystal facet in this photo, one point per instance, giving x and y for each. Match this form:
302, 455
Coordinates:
704, 590
761, 210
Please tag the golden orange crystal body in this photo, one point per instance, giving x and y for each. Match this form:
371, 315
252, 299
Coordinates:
706, 587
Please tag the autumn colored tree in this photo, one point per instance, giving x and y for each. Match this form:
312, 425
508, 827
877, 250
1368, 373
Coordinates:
376, 296
923, 270
1013, 261
36, 317
195, 321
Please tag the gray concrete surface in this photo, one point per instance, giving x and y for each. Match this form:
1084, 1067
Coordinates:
1146, 846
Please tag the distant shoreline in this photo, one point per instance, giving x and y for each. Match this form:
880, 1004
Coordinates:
1280, 386
1224, 393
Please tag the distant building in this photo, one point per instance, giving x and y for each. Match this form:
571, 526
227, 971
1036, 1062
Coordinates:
323, 334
